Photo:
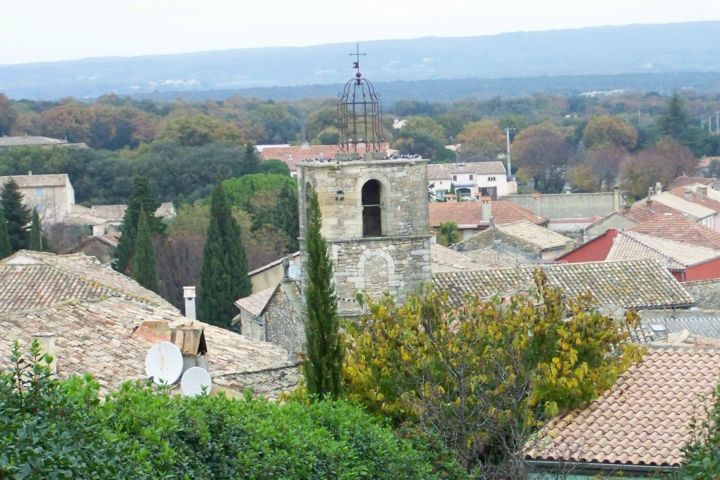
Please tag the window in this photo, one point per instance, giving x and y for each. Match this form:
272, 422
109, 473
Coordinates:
471, 177
454, 178
372, 224
491, 179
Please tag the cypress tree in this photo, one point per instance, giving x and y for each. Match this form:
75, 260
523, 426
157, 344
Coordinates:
322, 327
224, 274
36, 240
143, 198
17, 215
286, 217
5, 249
143, 261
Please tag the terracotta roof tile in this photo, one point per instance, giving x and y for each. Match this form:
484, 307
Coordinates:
470, 213
675, 226
535, 235
641, 211
683, 181
445, 259
697, 199
644, 419
255, 303
672, 254
627, 284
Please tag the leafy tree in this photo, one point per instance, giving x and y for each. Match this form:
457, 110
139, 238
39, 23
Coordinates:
663, 162
422, 136
5, 249
702, 452
320, 120
8, 115
483, 376
606, 131
36, 238
70, 120
277, 123
143, 260
675, 119
482, 139
223, 278
198, 130
143, 199
449, 234
542, 153
276, 167
323, 366
598, 168
17, 215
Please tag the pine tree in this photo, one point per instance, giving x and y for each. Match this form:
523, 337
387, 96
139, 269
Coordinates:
322, 327
36, 239
675, 121
143, 198
143, 261
17, 215
224, 275
5, 249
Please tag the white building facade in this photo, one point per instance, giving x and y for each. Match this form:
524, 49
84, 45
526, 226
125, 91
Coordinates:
470, 180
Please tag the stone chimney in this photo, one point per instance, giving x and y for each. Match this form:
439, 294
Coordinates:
47, 347
687, 194
658, 188
486, 209
189, 296
617, 199
701, 191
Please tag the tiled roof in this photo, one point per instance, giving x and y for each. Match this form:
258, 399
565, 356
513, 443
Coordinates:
94, 313
644, 419
672, 254
642, 211
627, 284
31, 181
674, 226
700, 323
683, 181
29, 140
692, 208
32, 280
469, 213
292, 155
256, 303
445, 171
535, 235
445, 259
696, 198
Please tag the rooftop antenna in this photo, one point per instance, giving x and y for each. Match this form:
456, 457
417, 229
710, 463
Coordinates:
164, 363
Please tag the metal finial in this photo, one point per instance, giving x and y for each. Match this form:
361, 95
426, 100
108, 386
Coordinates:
356, 63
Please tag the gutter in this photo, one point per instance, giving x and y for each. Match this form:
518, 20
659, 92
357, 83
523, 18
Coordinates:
593, 468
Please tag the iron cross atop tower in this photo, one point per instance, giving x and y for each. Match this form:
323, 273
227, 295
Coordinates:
356, 63
360, 114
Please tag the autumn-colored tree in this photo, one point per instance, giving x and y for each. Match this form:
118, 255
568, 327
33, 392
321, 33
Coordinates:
70, 120
483, 139
542, 153
663, 162
195, 130
604, 131
598, 168
483, 376
422, 136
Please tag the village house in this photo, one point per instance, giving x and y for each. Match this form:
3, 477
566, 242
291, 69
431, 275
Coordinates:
104, 219
52, 195
95, 320
472, 217
6, 143
470, 180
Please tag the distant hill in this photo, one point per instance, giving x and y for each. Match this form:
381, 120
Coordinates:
606, 51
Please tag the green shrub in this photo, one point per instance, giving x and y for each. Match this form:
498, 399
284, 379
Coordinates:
60, 429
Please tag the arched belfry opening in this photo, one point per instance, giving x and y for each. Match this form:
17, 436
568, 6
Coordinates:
371, 213
360, 114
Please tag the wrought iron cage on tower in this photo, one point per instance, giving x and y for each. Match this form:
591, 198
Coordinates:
360, 114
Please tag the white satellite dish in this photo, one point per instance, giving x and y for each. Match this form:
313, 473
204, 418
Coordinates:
164, 363
195, 381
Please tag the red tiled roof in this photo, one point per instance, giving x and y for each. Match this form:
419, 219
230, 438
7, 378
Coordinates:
644, 419
641, 211
697, 199
470, 213
674, 226
683, 181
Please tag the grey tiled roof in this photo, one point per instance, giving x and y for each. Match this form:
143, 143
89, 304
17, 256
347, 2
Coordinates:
700, 323
444, 171
706, 293
627, 284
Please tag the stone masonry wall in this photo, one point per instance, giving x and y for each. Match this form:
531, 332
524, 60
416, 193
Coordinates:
284, 320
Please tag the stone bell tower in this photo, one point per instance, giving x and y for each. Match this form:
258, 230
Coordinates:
374, 208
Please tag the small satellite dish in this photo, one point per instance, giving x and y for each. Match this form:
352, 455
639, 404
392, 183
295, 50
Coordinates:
164, 363
195, 381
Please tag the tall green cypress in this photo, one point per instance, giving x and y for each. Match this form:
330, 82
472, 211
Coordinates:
5, 249
224, 274
143, 198
286, 217
17, 215
143, 261
36, 240
325, 352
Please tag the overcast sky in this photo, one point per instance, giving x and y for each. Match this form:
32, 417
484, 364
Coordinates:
43, 30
